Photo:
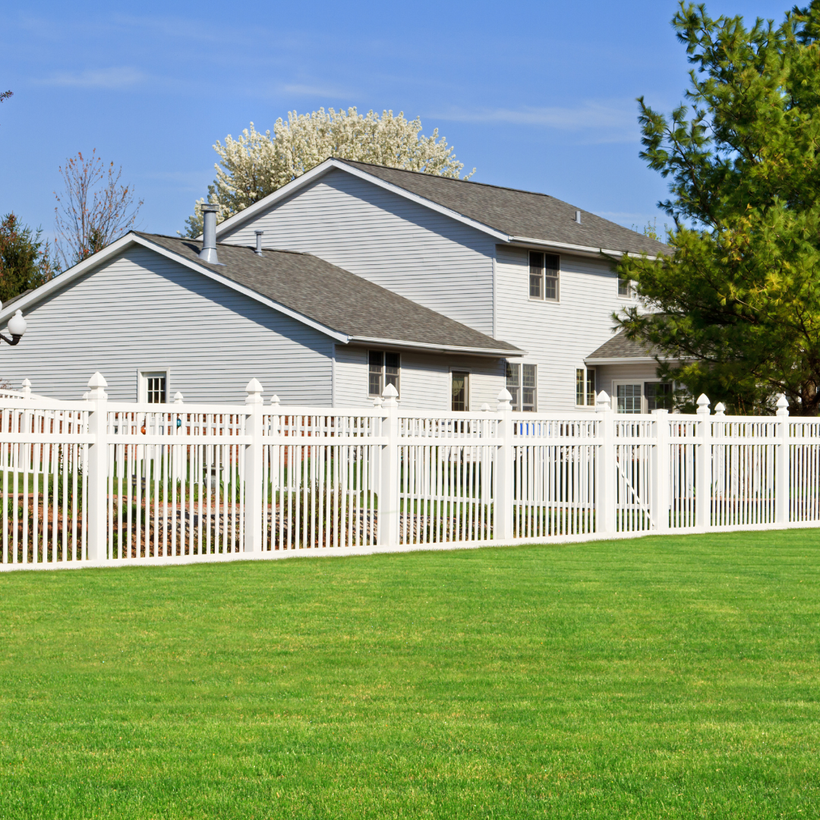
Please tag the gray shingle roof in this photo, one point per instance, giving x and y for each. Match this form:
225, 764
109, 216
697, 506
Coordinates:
619, 347
517, 213
333, 297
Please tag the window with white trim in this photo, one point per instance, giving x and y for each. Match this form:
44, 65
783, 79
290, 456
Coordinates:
382, 369
643, 397
544, 269
459, 390
585, 395
153, 386
626, 287
522, 384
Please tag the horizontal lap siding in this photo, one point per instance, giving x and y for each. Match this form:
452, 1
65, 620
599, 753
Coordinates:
557, 336
383, 237
635, 373
143, 311
425, 379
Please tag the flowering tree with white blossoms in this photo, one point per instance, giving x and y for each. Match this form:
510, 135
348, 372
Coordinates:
256, 164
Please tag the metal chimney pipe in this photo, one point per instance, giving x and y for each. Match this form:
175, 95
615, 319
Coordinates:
578, 217
259, 242
208, 252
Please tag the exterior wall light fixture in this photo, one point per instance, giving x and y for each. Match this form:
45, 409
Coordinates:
17, 327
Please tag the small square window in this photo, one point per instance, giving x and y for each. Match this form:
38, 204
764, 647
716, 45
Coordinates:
153, 386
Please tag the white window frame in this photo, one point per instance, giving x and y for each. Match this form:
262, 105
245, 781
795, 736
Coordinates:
626, 288
461, 371
589, 401
542, 297
383, 374
518, 397
142, 382
642, 382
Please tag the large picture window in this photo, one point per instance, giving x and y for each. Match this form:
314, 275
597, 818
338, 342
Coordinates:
544, 268
382, 369
522, 383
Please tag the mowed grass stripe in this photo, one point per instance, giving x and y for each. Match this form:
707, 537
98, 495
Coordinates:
660, 677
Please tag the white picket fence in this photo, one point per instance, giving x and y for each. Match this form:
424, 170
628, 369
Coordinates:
97, 482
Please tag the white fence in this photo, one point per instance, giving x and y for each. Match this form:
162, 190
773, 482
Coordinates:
96, 482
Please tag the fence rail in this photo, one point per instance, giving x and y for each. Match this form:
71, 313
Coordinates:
97, 482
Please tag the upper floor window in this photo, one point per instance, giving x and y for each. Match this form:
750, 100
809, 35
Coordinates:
585, 395
522, 383
544, 269
382, 369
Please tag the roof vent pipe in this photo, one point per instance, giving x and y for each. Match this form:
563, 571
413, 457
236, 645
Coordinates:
578, 217
259, 242
208, 252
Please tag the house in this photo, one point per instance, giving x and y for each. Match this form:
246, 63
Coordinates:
351, 277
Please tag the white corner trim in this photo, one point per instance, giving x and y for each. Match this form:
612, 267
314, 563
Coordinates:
286, 190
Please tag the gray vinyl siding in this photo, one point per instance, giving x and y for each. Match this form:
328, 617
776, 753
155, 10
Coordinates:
638, 372
405, 247
424, 379
557, 336
142, 311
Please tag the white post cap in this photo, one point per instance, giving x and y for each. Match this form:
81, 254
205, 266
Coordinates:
177, 397
504, 399
782, 405
602, 401
703, 404
274, 400
254, 391
390, 394
97, 383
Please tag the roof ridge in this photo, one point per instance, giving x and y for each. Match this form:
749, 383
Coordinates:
227, 244
472, 182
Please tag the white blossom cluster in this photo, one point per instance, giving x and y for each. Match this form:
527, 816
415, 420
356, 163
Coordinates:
256, 164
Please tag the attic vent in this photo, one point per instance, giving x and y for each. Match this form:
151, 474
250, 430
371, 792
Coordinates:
258, 242
578, 217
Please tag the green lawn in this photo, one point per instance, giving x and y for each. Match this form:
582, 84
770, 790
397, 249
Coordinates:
654, 678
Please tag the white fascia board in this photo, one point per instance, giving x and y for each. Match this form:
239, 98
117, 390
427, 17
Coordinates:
327, 165
224, 280
472, 351
623, 360
64, 279
581, 249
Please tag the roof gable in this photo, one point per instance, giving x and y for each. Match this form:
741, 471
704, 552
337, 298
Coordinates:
507, 214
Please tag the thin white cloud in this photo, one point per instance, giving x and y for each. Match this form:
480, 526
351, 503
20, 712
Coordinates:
304, 90
110, 78
595, 122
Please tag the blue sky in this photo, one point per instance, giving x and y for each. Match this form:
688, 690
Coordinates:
534, 95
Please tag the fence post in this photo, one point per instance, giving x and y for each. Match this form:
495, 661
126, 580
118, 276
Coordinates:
703, 470
253, 468
97, 469
389, 471
660, 502
606, 515
504, 488
782, 484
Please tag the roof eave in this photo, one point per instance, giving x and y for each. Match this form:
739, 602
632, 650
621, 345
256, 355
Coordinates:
602, 360
586, 250
495, 353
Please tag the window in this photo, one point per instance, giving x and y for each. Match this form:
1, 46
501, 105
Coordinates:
544, 269
522, 383
643, 397
658, 396
460, 390
626, 288
382, 369
153, 386
585, 394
